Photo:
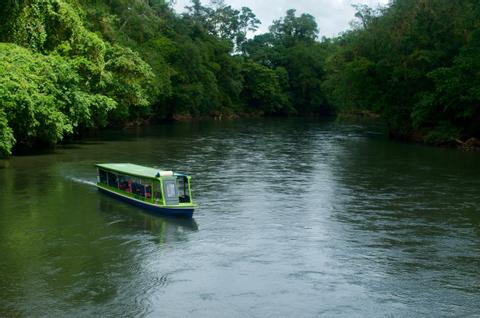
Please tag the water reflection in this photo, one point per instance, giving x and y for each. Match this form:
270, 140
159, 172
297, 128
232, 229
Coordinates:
136, 219
296, 216
3, 164
409, 214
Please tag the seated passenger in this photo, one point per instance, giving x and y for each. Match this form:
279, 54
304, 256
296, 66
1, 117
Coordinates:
148, 191
123, 186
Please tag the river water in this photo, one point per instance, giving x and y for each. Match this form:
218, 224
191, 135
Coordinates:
297, 218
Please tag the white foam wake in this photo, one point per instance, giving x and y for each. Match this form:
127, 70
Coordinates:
84, 181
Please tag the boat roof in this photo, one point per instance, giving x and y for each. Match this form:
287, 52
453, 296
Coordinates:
136, 170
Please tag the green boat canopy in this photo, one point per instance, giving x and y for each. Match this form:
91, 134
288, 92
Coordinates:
136, 170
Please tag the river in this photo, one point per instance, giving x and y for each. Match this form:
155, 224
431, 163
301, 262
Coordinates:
297, 218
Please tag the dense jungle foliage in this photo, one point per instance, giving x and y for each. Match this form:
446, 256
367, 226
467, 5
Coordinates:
414, 62
67, 66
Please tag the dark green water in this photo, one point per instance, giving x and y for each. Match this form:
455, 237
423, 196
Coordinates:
297, 219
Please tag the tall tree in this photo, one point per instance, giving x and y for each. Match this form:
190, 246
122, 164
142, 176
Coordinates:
291, 45
411, 62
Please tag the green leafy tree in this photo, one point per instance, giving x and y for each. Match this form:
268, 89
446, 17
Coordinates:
413, 63
291, 45
42, 100
66, 78
292, 29
263, 90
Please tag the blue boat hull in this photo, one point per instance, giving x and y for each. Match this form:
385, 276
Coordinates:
183, 212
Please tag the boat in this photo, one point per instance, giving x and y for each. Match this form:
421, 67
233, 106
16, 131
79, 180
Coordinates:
161, 191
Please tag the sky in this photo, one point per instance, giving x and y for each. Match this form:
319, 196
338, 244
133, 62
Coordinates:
332, 16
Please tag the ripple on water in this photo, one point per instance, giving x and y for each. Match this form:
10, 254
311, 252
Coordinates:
297, 218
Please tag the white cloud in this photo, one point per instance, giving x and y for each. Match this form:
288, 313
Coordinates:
332, 16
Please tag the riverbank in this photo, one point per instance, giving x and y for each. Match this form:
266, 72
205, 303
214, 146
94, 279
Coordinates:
419, 136
357, 117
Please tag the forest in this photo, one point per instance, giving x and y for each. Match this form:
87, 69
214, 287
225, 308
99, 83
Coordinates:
69, 66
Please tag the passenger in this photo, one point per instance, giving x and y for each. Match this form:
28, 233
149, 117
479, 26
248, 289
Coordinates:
148, 191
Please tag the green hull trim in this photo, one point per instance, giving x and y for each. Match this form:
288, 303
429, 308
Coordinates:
132, 197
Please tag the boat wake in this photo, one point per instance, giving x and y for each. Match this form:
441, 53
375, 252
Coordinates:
83, 181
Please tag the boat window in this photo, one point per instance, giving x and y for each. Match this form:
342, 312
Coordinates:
102, 174
147, 184
158, 193
124, 183
140, 187
181, 187
170, 191
137, 187
183, 194
112, 180
148, 192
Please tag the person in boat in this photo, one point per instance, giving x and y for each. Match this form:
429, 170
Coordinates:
148, 191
